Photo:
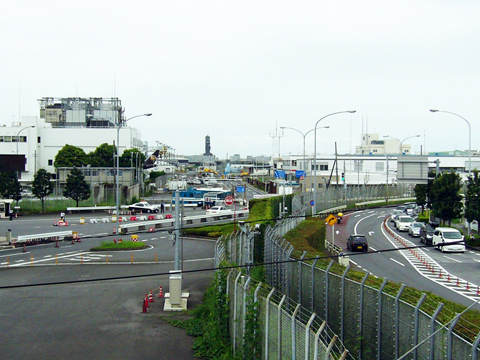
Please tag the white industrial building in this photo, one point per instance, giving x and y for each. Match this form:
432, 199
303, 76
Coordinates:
85, 123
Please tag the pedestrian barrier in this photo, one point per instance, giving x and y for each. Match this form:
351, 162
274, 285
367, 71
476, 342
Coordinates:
44, 237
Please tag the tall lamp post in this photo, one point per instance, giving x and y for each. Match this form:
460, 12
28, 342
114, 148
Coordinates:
118, 125
469, 137
304, 135
315, 157
18, 140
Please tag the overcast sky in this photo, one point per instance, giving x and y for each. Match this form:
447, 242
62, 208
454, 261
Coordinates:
237, 70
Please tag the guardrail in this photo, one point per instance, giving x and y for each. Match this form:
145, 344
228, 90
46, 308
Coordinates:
94, 208
332, 210
189, 220
36, 238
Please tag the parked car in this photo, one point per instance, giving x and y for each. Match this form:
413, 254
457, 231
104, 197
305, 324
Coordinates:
219, 210
403, 222
443, 238
144, 207
414, 228
357, 242
426, 234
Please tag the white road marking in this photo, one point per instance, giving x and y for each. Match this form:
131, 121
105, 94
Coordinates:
398, 262
453, 259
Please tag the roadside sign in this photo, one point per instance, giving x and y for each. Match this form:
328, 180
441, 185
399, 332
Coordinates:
228, 200
331, 220
312, 202
240, 189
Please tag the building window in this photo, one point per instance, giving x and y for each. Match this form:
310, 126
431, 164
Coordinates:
324, 167
379, 166
39, 139
50, 162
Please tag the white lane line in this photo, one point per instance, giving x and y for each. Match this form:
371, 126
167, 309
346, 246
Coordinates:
15, 254
373, 249
398, 262
47, 256
43, 260
453, 259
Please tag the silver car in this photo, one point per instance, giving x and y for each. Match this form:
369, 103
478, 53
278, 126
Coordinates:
414, 229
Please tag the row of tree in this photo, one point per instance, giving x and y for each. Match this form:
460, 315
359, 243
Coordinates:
443, 195
76, 187
102, 156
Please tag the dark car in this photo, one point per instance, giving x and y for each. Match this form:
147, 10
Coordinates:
357, 242
426, 232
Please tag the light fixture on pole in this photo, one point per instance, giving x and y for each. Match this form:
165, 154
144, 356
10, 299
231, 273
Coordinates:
315, 157
469, 137
18, 139
304, 135
118, 124
401, 142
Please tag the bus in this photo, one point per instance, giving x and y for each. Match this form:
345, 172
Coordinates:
203, 196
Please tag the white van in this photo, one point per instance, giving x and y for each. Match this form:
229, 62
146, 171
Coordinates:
444, 235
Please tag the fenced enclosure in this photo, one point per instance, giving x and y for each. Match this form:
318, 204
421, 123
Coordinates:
371, 322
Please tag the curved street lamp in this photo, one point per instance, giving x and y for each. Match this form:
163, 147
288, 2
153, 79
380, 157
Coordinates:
401, 142
315, 157
118, 125
469, 137
18, 140
304, 135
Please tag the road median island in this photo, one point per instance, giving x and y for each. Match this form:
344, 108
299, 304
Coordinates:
120, 246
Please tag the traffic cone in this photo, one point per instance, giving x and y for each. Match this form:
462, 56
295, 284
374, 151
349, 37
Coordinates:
150, 296
114, 230
56, 244
55, 222
151, 229
24, 248
145, 306
160, 293
146, 300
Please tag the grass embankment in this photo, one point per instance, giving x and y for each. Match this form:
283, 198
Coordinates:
310, 236
120, 246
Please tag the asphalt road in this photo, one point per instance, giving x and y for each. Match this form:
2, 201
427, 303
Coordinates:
408, 268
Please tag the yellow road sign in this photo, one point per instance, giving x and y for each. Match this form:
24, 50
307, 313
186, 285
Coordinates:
331, 220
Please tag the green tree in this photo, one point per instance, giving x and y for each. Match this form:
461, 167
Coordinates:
129, 157
472, 198
10, 187
69, 156
103, 156
445, 197
421, 194
156, 174
42, 186
76, 187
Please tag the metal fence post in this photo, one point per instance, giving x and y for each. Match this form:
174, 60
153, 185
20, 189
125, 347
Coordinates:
307, 335
360, 325
432, 331
317, 340
312, 287
475, 346
294, 338
450, 336
267, 321
379, 312
415, 334
279, 327
326, 289
342, 309
300, 282
245, 290
397, 320
235, 312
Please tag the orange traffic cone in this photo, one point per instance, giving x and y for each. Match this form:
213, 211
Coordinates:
160, 293
145, 305
150, 296
146, 300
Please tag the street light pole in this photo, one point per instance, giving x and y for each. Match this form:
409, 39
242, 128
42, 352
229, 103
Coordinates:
315, 157
401, 142
304, 136
118, 124
18, 140
469, 137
